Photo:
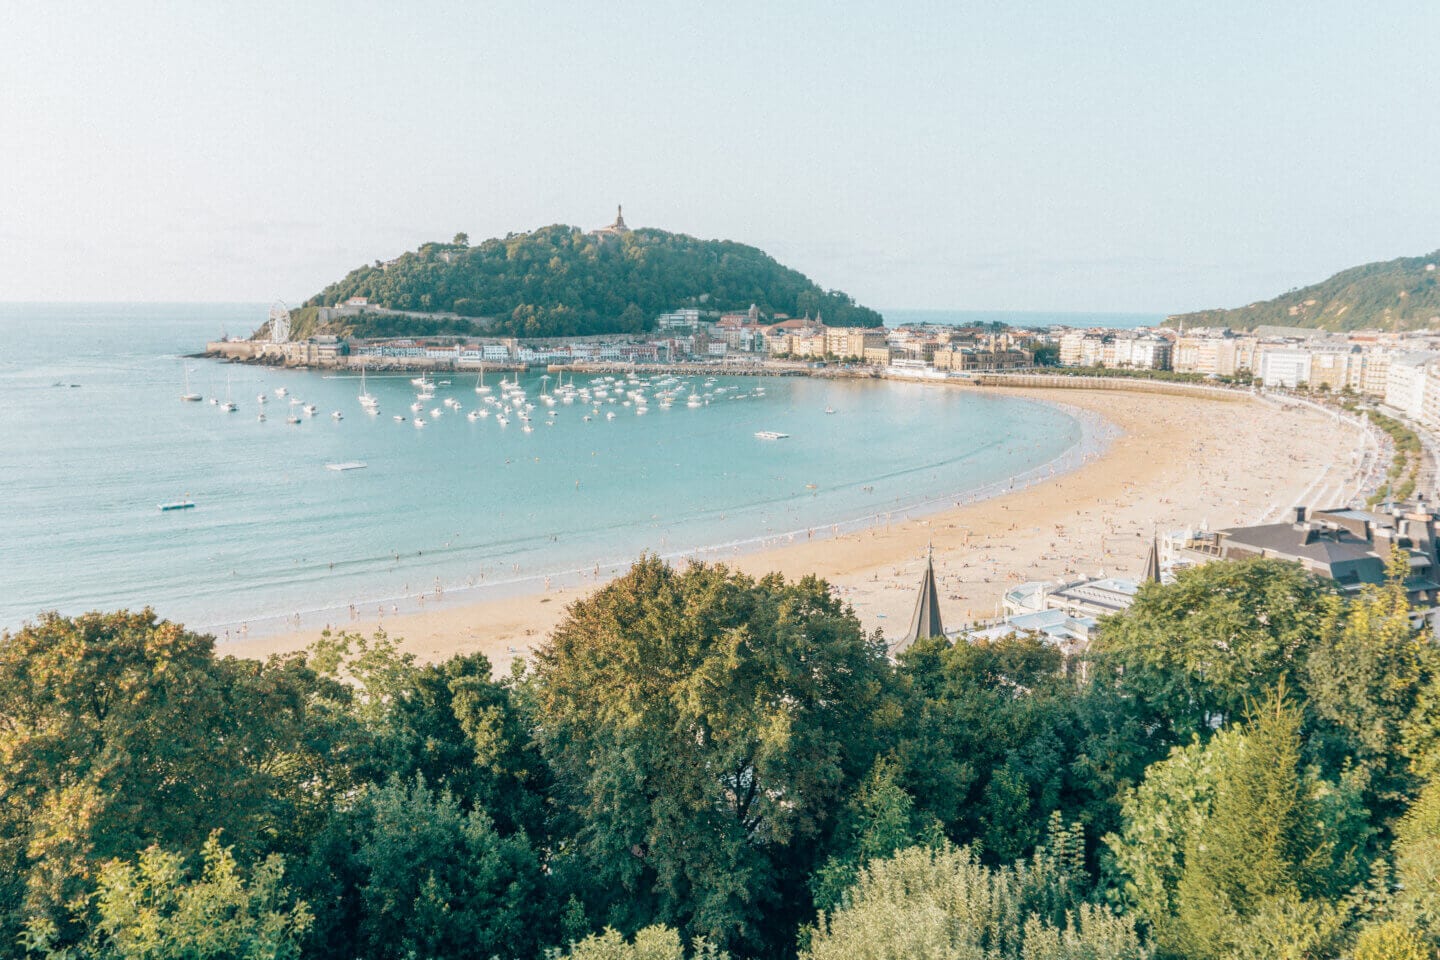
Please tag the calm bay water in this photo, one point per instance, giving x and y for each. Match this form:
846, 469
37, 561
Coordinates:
471, 506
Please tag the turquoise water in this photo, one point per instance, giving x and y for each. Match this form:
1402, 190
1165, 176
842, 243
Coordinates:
468, 506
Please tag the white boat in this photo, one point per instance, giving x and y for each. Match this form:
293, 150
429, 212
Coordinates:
435, 412
229, 405
347, 465
311, 409
771, 434
829, 409
261, 418
398, 418
473, 415
189, 396
281, 391
418, 422
610, 415
337, 415
261, 398
366, 400
528, 429
292, 419
480, 382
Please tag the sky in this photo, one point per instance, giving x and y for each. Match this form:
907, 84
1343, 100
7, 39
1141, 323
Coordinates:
1150, 157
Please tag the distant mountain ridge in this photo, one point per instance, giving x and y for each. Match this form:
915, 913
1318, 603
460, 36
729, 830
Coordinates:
1400, 294
563, 281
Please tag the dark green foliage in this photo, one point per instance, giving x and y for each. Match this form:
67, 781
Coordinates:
561, 281
1191, 655
998, 736
701, 756
1395, 294
447, 723
404, 871
121, 731
704, 729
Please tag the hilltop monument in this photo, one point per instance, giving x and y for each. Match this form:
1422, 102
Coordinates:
618, 227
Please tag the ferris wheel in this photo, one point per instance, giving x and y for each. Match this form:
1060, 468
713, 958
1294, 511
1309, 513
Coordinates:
279, 322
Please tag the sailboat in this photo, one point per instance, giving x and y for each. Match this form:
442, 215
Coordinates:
188, 395
229, 405
480, 381
366, 400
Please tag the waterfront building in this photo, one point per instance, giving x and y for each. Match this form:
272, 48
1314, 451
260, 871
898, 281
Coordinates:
1213, 353
1090, 597
1349, 546
1405, 383
847, 342
1136, 352
1287, 366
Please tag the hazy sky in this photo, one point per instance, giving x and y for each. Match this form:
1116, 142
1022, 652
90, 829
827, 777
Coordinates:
1138, 156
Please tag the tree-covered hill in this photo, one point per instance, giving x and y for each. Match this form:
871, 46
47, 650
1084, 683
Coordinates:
1401, 294
562, 281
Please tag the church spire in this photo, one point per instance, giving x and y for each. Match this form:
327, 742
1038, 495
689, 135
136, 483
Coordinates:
1152, 563
925, 622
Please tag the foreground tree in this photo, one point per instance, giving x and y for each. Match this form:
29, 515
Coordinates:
121, 731
652, 943
153, 910
702, 729
1238, 849
1191, 655
1365, 681
404, 871
943, 903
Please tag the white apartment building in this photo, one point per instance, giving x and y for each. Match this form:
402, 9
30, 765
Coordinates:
1405, 385
1284, 366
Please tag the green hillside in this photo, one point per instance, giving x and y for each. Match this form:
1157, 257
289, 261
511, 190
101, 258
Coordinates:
1401, 294
562, 281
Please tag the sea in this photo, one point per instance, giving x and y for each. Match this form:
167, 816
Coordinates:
96, 438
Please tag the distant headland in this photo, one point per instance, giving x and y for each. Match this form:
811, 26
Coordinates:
1392, 295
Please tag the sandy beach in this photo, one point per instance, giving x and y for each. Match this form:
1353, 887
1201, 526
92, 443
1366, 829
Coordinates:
1179, 461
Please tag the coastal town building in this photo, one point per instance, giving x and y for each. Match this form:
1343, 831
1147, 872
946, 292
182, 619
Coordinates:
1405, 383
1349, 546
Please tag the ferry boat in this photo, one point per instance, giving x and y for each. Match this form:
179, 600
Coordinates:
771, 435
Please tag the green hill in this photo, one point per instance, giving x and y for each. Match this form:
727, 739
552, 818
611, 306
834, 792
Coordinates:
1401, 294
562, 281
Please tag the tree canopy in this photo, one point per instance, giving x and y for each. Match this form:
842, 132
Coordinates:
700, 764
562, 281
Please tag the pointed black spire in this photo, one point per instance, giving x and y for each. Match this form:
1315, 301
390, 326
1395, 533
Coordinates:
926, 620
1152, 563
